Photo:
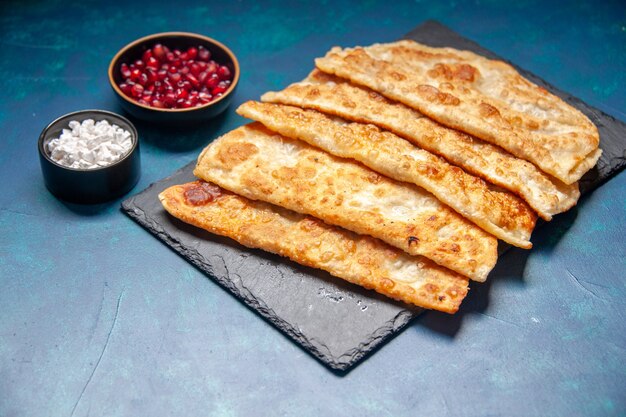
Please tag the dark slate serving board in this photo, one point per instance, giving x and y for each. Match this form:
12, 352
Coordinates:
337, 322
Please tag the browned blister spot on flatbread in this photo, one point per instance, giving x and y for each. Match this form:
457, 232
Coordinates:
434, 95
361, 260
462, 72
397, 76
487, 110
236, 153
201, 193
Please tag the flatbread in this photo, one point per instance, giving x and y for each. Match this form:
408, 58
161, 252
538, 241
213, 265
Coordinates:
362, 260
547, 195
261, 165
485, 98
495, 210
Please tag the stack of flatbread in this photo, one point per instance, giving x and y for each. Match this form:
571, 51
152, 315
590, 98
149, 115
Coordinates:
396, 167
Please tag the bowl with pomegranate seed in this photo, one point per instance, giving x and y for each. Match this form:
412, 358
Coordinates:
174, 77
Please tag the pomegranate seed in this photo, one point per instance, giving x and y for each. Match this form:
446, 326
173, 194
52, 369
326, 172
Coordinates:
162, 74
202, 65
212, 81
158, 51
175, 77
169, 99
140, 64
165, 66
211, 67
202, 77
203, 54
135, 74
143, 79
125, 71
181, 93
125, 88
205, 97
158, 104
147, 54
142, 101
152, 76
184, 70
194, 68
170, 56
153, 63
193, 80
218, 90
137, 90
223, 72
184, 56
172, 70
192, 52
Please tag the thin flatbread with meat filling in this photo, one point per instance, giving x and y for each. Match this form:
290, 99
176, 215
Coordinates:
358, 259
337, 96
485, 98
497, 211
262, 165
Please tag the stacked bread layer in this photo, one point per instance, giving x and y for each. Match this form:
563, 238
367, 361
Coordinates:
350, 176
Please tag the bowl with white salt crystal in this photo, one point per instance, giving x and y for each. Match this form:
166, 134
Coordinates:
89, 156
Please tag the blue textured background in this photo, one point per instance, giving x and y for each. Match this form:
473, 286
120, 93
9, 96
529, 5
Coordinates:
99, 318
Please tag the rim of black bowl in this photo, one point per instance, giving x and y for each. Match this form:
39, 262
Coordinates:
133, 133
155, 36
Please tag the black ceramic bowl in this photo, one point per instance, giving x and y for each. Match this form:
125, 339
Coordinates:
89, 186
174, 40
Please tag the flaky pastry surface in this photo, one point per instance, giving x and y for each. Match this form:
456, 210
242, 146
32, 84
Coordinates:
547, 195
495, 210
485, 98
261, 165
362, 260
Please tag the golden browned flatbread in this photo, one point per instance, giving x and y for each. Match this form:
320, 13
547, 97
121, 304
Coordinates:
362, 260
261, 165
337, 96
495, 210
486, 98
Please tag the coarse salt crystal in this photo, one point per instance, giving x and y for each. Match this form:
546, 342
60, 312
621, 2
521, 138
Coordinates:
90, 144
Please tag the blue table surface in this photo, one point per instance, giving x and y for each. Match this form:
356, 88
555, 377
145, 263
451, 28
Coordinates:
97, 317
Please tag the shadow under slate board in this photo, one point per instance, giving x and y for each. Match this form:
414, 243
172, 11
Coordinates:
337, 322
